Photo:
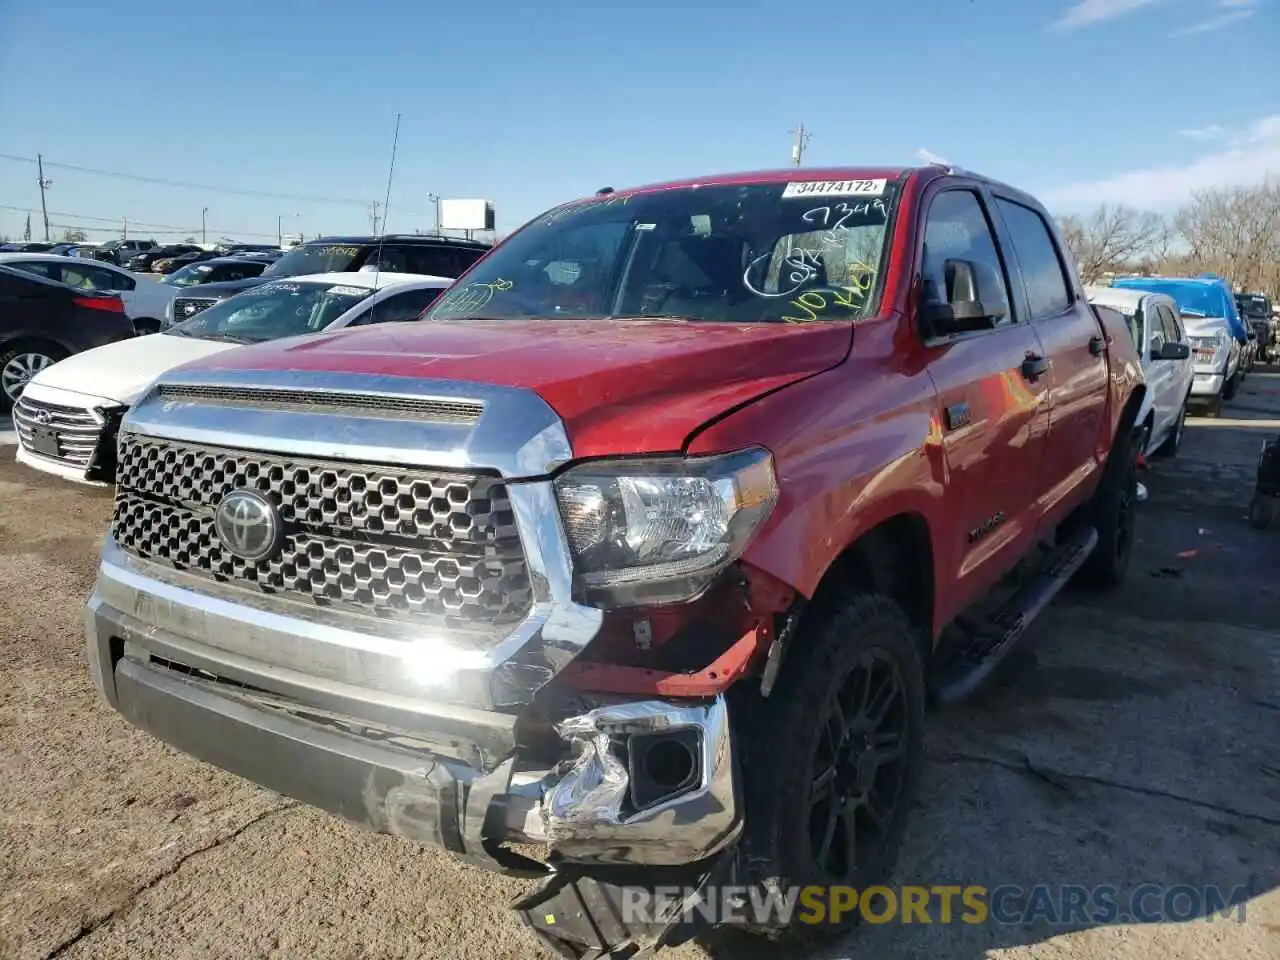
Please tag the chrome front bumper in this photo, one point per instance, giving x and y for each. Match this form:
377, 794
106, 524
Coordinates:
469, 801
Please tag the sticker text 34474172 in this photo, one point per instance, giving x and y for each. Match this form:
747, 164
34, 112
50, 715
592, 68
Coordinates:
834, 188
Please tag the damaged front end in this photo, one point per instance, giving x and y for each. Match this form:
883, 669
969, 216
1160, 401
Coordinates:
516, 657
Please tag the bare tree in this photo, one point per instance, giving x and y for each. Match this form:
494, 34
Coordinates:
1113, 239
1235, 232
74, 236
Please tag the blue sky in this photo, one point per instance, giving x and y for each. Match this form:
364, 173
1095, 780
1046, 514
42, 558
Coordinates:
1140, 101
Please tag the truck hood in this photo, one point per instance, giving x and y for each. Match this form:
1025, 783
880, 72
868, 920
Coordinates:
619, 386
1205, 326
122, 370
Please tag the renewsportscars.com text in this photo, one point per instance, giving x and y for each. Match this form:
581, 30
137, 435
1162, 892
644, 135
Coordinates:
1056, 905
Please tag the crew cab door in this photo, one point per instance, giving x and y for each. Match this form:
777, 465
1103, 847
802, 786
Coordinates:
991, 411
1075, 346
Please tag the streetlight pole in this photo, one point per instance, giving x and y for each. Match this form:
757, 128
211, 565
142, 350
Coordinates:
435, 198
280, 230
204, 226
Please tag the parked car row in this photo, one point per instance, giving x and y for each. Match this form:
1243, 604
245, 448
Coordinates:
1224, 346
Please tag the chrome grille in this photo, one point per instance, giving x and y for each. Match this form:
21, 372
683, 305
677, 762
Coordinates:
76, 430
184, 308
390, 541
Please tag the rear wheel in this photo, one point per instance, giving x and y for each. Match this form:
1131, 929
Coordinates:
832, 758
19, 365
1114, 515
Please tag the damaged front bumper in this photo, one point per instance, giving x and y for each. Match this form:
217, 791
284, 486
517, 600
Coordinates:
641, 782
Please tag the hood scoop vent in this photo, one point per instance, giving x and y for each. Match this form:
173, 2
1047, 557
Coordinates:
369, 406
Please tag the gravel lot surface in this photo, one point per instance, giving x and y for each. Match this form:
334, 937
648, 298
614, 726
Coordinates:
1136, 740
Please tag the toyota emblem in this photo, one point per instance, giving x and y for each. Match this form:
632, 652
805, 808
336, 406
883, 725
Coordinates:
248, 525
189, 309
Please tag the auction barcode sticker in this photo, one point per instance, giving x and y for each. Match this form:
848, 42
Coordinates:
834, 188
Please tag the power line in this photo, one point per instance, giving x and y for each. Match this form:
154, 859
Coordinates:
183, 184
118, 221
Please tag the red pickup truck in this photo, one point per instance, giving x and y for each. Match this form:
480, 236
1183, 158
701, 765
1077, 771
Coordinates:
647, 546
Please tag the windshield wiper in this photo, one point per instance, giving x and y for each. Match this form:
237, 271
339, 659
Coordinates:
229, 338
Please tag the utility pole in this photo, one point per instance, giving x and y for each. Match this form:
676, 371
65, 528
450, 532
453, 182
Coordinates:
801, 141
44, 185
204, 226
373, 215
124, 227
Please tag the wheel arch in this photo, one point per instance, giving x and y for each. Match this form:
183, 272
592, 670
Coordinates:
896, 559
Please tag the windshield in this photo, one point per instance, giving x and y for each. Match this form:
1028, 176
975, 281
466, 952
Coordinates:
1193, 299
191, 274
271, 311
315, 258
755, 253
1258, 308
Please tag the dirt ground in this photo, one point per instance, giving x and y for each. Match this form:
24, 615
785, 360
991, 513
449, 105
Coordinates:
1133, 741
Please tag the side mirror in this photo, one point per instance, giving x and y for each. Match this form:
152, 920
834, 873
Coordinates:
1171, 351
975, 300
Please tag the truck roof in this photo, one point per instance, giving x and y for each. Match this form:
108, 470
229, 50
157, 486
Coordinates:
798, 174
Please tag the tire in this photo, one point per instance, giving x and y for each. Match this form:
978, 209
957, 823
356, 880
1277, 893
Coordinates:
1213, 408
1113, 512
1261, 513
17, 364
1173, 441
794, 770
1231, 386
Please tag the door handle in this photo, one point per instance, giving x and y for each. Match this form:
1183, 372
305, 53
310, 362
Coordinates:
1097, 345
1035, 366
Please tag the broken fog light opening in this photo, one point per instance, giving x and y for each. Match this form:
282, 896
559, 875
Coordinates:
660, 530
662, 765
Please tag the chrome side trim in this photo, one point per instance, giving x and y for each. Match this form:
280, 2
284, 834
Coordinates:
584, 811
518, 434
365, 651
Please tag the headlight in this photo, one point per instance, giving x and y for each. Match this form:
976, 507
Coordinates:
660, 530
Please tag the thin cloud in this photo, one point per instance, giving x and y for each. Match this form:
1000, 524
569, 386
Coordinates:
1249, 157
1211, 132
1086, 13
1214, 23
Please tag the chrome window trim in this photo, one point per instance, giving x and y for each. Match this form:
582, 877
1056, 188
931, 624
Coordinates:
518, 434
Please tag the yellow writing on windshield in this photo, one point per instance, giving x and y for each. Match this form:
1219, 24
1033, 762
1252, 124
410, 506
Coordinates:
810, 305
474, 297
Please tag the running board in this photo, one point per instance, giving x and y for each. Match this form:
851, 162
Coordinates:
980, 649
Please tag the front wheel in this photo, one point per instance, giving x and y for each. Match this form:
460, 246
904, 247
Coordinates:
833, 756
1231, 386
1171, 444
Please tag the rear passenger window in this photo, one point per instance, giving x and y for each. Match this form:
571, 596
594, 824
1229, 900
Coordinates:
1038, 257
957, 228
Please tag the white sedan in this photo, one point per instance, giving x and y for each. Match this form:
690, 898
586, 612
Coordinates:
144, 299
67, 416
1158, 333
